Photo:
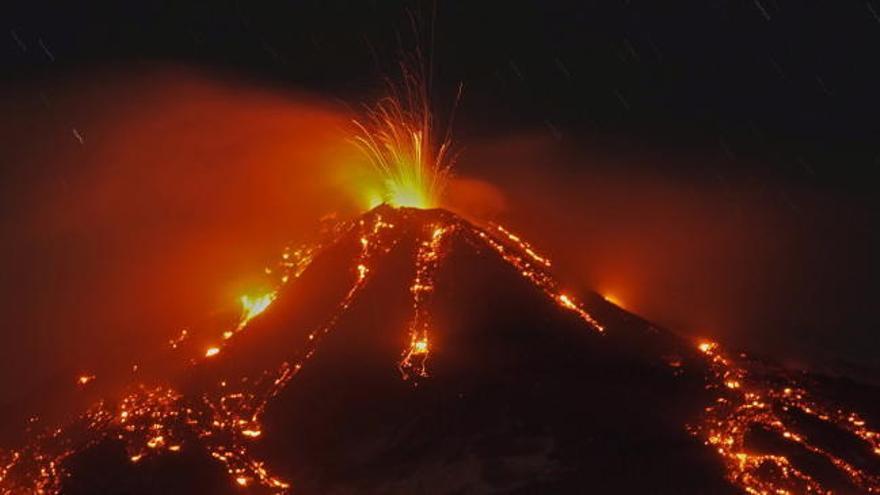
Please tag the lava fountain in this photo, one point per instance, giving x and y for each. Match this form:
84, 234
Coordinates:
400, 140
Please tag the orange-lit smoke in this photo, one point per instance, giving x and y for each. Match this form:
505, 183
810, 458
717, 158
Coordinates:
137, 204
742, 257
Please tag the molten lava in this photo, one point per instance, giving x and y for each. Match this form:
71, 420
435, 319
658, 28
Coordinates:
224, 421
750, 403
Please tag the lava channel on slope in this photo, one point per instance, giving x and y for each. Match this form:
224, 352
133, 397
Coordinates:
525, 389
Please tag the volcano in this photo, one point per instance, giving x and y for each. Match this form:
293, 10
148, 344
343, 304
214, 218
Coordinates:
412, 351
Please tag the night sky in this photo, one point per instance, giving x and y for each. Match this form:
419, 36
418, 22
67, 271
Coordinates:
709, 164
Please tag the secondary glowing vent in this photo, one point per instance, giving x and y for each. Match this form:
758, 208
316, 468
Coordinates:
252, 306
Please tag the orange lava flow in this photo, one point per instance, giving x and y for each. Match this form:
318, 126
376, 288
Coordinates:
415, 357
523, 245
746, 403
520, 256
225, 421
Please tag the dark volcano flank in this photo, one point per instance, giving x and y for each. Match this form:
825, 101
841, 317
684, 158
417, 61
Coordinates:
522, 393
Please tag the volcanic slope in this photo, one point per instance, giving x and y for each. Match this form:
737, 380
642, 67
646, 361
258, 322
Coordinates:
414, 352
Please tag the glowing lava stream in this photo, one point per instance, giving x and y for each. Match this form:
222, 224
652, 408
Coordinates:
744, 403
227, 419
415, 357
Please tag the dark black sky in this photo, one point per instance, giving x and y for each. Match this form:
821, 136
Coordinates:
791, 83
774, 93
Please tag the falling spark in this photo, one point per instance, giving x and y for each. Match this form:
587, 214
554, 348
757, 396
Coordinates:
77, 135
18, 41
762, 9
212, 351
176, 341
873, 12
45, 48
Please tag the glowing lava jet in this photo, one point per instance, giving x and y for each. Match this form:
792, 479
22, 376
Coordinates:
399, 138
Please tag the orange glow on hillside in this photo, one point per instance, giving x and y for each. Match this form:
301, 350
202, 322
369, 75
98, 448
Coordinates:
226, 420
613, 299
